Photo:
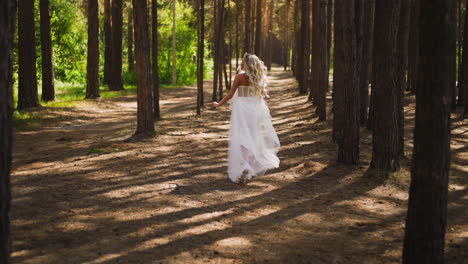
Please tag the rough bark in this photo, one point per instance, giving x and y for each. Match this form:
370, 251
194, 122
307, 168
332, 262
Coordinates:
7, 29
319, 56
304, 48
247, 26
145, 121
413, 48
258, 29
155, 62
115, 83
48, 89
174, 46
427, 207
200, 55
92, 68
345, 89
27, 79
385, 137
107, 41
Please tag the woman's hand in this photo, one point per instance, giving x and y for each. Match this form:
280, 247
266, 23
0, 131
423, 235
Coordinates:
216, 104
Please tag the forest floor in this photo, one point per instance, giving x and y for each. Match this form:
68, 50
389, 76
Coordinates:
82, 194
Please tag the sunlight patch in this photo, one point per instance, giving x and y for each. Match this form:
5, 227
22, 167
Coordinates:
234, 242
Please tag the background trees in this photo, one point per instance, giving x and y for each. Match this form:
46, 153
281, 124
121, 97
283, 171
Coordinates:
7, 29
92, 75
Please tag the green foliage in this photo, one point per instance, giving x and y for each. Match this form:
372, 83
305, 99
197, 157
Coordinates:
186, 43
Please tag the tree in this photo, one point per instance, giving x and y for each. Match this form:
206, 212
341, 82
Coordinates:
427, 207
174, 47
115, 83
413, 48
107, 41
345, 89
155, 62
258, 29
319, 56
247, 47
304, 48
7, 29
145, 121
130, 55
385, 131
48, 89
27, 79
200, 54
92, 69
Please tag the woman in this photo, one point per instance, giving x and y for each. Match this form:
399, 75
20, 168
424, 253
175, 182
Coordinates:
253, 142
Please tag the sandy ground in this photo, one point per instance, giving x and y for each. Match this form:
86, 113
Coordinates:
84, 195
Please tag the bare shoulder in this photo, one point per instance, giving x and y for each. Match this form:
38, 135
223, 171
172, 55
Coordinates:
242, 78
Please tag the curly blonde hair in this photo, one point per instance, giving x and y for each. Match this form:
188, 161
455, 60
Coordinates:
257, 72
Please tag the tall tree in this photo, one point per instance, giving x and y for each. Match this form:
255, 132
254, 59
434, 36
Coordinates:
92, 69
200, 54
107, 41
258, 29
385, 137
145, 121
174, 47
403, 38
461, 36
115, 83
155, 62
130, 53
247, 26
345, 88
48, 89
304, 48
319, 56
413, 48
427, 207
27, 83
7, 29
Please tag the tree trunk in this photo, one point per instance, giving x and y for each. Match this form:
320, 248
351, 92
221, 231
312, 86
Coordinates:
403, 38
174, 46
92, 68
385, 132
247, 26
27, 83
200, 55
345, 88
453, 56
413, 47
145, 122
130, 54
460, 40
258, 29
115, 83
7, 29
155, 62
329, 34
366, 57
319, 56
107, 42
427, 206
304, 48
48, 89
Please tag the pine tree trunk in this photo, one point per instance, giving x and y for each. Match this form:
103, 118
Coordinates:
385, 137
107, 42
345, 84
403, 39
200, 55
427, 207
460, 40
329, 34
247, 26
115, 83
7, 29
145, 121
413, 46
258, 29
92, 68
130, 54
48, 89
366, 59
319, 56
155, 62
174, 46
304, 48
27, 83
453, 56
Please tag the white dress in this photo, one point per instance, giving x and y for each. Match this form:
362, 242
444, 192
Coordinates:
253, 143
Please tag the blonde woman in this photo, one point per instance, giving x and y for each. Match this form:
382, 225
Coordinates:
253, 143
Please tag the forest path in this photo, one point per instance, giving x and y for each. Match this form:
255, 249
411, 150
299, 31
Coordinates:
83, 195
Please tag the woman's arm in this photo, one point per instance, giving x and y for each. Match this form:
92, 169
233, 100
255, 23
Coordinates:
233, 89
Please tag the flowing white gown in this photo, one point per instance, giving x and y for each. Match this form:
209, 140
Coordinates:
253, 142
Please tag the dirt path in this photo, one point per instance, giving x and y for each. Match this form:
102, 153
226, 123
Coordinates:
83, 195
